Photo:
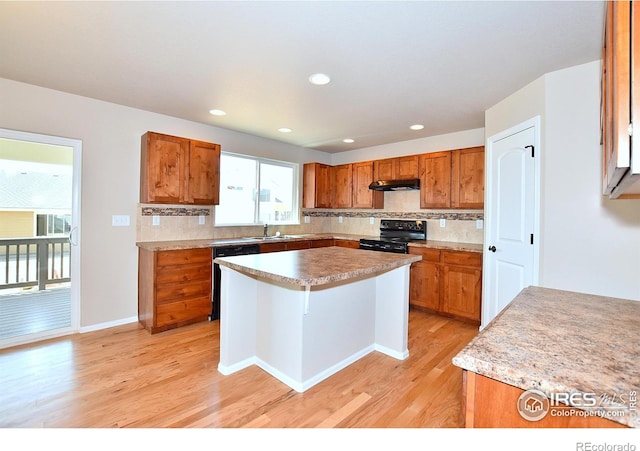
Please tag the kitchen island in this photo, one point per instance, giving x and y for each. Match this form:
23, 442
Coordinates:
304, 315
555, 358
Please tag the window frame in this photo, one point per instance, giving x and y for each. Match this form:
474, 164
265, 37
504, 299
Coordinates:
295, 169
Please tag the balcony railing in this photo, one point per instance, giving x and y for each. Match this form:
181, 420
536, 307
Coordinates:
39, 261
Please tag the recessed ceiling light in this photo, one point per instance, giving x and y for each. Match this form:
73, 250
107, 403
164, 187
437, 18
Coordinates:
348, 140
217, 112
319, 79
417, 127
285, 130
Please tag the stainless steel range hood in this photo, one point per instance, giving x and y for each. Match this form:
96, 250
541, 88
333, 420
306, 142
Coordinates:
395, 185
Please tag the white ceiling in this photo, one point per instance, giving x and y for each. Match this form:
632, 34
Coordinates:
392, 63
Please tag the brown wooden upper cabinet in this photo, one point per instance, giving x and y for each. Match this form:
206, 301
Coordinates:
400, 168
176, 170
452, 179
342, 180
342, 186
362, 196
317, 191
435, 180
620, 103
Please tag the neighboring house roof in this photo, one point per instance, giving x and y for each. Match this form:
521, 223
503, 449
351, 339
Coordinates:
35, 190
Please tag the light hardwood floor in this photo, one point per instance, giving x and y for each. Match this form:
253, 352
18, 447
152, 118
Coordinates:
125, 378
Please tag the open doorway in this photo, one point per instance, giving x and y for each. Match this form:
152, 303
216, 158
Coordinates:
39, 236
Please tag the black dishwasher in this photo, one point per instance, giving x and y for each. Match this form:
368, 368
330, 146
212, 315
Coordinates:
226, 251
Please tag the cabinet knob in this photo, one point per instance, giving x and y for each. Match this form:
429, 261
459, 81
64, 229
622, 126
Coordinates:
492, 248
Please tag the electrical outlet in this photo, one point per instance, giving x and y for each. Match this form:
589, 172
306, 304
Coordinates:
307, 219
479, 223
120, 220
201, 219
155, 220
443, 222
340, 219
371, 220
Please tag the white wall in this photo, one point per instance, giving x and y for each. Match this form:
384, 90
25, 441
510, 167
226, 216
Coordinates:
449, 141
110, 136
589, 243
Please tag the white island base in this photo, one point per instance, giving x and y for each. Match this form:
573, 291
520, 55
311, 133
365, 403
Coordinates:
302, 335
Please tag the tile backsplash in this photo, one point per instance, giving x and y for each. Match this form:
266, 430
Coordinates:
180, 222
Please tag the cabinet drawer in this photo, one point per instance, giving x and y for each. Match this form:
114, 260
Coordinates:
183, 257
295, 245
347, 243
322, 243
430, 255
183, 310
170, 292
183, 273
272, 247
462, 258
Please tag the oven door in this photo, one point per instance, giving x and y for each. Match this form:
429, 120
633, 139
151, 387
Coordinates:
397, 247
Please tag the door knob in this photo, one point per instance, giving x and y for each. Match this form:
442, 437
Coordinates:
492, 248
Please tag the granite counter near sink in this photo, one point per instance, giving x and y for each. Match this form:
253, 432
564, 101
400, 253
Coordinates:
560, 342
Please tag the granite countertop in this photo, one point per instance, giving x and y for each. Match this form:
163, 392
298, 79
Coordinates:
563, 342
318, 266
194, 244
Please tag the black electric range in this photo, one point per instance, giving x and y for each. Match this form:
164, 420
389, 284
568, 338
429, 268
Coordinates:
395, 236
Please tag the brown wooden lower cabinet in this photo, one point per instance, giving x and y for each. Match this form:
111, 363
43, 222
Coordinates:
489, 403
353, 244
174, 288
447, 282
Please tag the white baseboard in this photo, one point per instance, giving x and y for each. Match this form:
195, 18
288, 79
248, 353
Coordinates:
119, 322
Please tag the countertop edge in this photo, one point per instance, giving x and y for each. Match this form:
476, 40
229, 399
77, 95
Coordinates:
218, 242
517, 379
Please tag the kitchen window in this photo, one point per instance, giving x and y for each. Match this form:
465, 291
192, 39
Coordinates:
256, 191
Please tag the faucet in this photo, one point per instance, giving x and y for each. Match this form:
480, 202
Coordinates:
266, 230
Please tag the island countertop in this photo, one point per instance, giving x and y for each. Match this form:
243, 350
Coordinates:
563, 342
319, 266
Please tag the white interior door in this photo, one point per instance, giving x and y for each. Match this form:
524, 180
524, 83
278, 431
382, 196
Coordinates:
511, 217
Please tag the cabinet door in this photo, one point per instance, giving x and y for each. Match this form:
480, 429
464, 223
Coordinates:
406, 167
363, 197
616, 66
620, 102
383, 169
435, 180
203, 179
162, 165
467, 178
342, 180
462, 291
424, 285
316, 186
396, 168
